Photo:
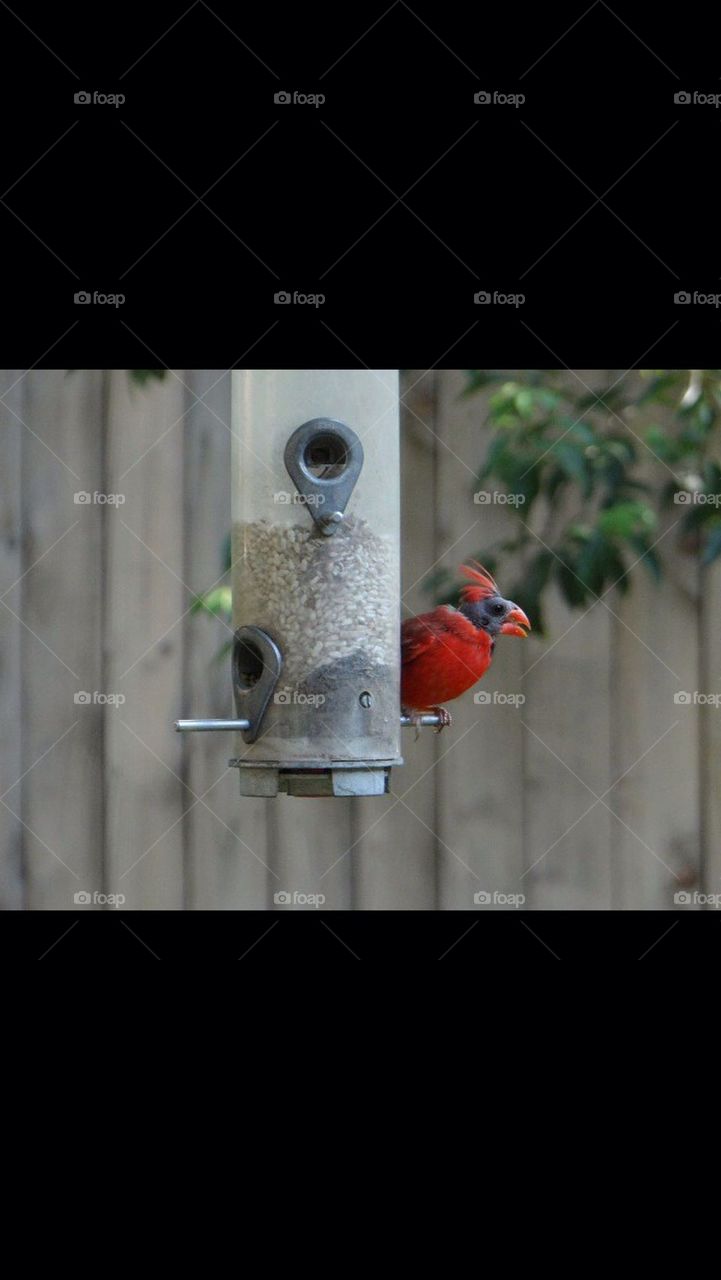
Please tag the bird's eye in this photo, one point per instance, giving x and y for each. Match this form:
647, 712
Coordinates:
498, 609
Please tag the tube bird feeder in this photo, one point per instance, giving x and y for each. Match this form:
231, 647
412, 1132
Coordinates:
316, 582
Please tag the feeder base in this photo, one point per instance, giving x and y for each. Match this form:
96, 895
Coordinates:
341, 778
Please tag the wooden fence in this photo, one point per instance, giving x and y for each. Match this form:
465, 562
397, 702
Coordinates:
599, 792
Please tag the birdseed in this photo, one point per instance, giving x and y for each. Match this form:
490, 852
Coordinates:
322, 599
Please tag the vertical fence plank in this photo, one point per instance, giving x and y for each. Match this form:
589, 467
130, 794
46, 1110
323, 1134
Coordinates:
710, 730
11, 569
480, 818
566, 752
567, 747
60, 603
394, 859
655, 655
145, 601
226, 853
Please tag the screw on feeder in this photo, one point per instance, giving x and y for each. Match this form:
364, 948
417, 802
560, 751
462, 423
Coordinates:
328, 522
366, 699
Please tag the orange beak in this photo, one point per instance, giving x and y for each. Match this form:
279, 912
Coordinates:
515, 621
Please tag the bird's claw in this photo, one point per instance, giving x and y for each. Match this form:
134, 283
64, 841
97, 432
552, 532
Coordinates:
444, 719
416, 719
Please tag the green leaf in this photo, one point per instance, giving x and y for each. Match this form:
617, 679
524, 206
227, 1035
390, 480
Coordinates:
667, 447
576, 465
494, 457
712, 477
625, 519
218, 602
620, 448
525, 402
477, 379
572, 589
141, 376
592, 561
579, 433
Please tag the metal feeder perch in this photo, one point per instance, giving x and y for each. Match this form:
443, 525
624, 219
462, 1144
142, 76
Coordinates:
316, 582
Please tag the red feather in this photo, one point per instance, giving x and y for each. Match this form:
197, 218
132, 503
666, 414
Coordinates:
483, 587
442, 655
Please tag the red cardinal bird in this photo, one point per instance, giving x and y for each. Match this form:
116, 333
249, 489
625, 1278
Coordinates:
446, 651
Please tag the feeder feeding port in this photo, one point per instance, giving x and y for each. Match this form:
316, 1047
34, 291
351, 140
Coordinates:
315, 583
